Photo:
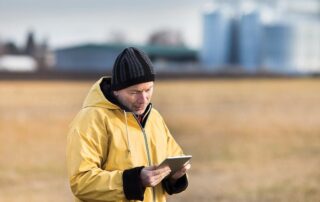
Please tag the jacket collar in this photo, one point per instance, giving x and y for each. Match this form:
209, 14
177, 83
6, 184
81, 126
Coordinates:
105, 86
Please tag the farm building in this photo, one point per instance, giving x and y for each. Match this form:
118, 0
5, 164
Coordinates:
100, 57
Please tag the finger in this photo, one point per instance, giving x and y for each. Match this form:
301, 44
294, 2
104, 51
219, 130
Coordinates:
146, 175
165, 168
166, 173
162, 174
156, 179
181, 172
153, 181
177, 175
151, 177
185, 167
159, 171
150, 168
188, 166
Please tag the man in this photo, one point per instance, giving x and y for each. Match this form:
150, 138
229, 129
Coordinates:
117, 139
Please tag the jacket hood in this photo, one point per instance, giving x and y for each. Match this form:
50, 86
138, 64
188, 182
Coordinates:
96, 98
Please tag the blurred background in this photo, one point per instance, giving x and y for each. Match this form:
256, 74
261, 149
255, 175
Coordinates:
237, 84
277, 36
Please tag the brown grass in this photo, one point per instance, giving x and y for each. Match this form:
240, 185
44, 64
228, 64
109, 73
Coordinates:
251, 140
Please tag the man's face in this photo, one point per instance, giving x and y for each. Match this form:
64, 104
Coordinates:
137, 97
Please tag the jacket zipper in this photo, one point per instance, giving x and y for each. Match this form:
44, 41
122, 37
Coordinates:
148, 153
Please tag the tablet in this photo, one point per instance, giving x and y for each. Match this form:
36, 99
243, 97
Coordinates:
175, 162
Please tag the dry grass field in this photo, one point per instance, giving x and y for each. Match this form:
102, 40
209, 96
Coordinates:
252, 140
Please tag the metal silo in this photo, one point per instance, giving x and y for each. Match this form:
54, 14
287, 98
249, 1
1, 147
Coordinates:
277, 45
250, 30
215, 51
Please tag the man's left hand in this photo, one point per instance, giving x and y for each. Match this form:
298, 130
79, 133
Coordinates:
181, 172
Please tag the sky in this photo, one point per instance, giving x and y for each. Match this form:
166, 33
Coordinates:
68, 22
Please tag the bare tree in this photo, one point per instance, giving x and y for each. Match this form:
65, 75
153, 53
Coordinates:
166, 37
116, 36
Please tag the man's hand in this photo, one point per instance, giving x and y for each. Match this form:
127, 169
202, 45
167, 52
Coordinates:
180, 172
151, 176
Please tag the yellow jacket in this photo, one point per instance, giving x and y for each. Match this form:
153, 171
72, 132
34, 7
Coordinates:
104, 140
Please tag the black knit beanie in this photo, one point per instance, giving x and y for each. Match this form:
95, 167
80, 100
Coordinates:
131, 67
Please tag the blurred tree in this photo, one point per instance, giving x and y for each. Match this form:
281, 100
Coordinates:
30, 48
117, 37
2, 50
166, 38
11, 48
44, 56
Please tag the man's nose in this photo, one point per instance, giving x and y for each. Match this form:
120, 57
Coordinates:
143, 97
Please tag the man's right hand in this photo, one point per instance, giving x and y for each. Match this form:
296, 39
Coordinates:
151, 176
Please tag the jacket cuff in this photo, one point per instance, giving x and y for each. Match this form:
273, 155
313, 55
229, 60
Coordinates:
132, 185
173, 188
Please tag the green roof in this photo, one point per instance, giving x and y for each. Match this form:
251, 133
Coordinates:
151, 50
